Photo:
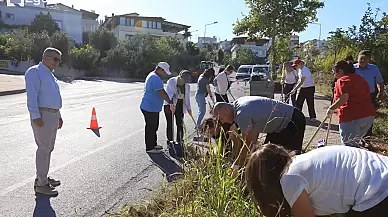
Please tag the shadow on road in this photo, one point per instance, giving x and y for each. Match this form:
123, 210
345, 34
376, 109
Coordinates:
171, 168
43, 206
316, 123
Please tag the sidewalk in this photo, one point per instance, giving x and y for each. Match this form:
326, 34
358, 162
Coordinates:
11, 84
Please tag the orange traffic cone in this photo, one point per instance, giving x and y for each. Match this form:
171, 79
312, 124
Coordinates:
93, 121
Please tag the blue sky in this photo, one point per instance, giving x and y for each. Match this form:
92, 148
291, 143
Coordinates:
197, 13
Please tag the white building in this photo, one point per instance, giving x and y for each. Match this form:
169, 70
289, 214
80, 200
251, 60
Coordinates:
319, 44
258, 47
225, 45
70, 20
127, 25
207, 40
294, 41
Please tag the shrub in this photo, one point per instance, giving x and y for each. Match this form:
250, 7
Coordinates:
84, 58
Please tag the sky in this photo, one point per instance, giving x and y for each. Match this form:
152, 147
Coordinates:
198, 13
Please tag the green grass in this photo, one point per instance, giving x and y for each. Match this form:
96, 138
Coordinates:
380, 126
205, 189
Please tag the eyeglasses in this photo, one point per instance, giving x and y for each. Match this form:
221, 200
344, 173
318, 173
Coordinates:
56, 59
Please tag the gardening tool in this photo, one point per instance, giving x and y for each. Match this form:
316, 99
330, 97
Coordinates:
315, 133
175, 148
282, 93
230, 93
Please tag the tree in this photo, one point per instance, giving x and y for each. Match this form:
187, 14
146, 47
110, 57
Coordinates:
271, 18
43, 22
244, 56
192, 49
337, 41
62, 42
220, 56
283, 48
18, 46
40, 41
84, 58
102, 40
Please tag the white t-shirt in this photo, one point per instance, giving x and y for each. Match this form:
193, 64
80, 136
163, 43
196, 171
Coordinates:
305, 72
337, 178
291, 77
222, 83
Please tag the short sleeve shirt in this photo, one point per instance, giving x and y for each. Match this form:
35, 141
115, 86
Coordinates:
359, 104
305, 72
371, 74
261, 114
152, 101
203, 81
337, 178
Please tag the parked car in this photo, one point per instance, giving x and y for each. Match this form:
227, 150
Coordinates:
261, 82
260, 72
244, 72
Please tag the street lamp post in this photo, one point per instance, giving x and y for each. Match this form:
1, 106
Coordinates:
193, 32
320, 32
204, 32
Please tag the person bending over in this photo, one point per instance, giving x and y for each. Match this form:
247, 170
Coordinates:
284, 124
325, 181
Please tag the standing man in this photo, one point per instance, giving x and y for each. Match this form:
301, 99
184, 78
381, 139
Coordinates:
222, 84
373, 77
307, 89
44, 102
152, 104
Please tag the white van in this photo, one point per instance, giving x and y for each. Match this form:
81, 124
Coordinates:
244, 72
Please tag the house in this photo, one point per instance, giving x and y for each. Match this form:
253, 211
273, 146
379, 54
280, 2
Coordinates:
319, 44
294, 41
258, 46
127, 25
206, 40
226, 45
70, 20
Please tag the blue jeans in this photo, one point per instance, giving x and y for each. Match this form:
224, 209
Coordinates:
351, 132
201, 102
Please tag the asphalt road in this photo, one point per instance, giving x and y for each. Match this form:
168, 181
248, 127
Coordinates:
97, 173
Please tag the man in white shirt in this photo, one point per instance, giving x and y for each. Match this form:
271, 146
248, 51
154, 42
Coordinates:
222, 84
307, 88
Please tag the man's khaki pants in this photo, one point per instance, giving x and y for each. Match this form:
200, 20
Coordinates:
45, 139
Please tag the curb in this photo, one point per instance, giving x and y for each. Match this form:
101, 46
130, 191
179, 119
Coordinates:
12, 92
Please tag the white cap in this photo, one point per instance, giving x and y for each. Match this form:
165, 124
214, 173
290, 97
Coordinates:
165, 67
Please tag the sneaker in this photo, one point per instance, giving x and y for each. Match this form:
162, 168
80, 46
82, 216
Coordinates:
46, 190
158, 147
52, 182
154, 151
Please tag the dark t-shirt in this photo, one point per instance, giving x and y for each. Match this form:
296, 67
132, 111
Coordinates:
203, 81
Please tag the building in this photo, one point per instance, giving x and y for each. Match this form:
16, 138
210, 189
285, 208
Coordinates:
226, 45
319, 44
127, 25
70, 20
207, 40
258, 46
294, 41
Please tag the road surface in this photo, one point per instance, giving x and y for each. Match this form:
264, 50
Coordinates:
97, 173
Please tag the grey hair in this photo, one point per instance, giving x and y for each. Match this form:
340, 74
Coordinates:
222, 105
51, 50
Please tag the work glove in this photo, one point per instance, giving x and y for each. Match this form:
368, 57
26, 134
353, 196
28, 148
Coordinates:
329, 112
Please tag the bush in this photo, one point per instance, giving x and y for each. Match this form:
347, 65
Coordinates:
84, 58
40, 41
18, 46
62, 42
